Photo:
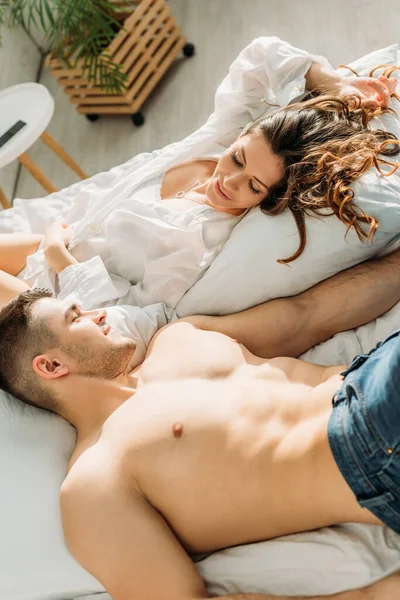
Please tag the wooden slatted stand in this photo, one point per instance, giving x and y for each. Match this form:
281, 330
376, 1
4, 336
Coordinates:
145, 47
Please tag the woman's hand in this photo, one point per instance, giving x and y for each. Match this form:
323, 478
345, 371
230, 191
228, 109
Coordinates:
373, 91
58, 234
56, 240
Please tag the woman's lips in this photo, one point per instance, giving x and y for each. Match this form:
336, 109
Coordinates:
219, 190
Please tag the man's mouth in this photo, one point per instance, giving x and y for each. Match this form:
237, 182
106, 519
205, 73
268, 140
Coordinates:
106, 328
220, 191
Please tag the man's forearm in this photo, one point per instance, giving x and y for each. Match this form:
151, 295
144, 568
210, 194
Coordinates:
290, 326
351, 298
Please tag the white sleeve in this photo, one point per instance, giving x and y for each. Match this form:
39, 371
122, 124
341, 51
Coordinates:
140, 324
142, 321
269, 69
91, 283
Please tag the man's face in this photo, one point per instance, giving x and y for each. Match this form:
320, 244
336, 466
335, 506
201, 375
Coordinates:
88, 344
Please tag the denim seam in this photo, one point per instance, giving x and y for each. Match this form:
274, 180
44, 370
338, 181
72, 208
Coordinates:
354, 458
379, 440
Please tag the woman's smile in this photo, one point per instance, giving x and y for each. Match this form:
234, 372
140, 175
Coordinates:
219, 191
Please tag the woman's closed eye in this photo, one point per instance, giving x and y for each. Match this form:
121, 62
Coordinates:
239, 164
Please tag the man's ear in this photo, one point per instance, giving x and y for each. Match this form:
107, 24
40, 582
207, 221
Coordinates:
48, 368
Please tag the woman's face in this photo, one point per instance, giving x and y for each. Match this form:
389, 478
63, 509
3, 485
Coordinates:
244, 174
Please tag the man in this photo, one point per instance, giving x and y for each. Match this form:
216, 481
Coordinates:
205, 445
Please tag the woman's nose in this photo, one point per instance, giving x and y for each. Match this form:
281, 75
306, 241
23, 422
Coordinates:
231, 180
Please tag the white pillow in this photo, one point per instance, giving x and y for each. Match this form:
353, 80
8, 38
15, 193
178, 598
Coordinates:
246, 273
36, 565
35, 447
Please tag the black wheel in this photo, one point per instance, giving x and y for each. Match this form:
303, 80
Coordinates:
189, 49
92, 117
137, 119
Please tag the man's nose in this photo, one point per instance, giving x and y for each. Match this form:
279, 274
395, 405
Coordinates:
99, 316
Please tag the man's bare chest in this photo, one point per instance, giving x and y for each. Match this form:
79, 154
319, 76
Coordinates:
202, 453
181, 352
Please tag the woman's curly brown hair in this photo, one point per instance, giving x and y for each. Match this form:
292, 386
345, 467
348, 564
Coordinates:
325, 144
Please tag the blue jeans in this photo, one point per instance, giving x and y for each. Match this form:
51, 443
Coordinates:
364, 430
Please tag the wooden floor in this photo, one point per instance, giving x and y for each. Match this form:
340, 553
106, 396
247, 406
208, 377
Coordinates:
342, 30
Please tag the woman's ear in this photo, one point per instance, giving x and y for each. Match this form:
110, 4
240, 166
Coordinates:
48, 368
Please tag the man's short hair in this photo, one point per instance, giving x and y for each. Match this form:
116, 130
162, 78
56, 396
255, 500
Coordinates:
22, 337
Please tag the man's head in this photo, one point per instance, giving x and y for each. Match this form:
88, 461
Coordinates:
43, 339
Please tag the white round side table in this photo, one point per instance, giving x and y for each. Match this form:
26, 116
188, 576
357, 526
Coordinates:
32, 104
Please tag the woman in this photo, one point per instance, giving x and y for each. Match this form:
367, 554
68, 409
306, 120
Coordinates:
161, 232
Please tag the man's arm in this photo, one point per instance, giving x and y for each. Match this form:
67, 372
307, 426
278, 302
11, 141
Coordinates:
290, 326
125, 543
122, 540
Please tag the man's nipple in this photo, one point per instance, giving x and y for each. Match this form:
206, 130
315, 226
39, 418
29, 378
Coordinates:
177, 429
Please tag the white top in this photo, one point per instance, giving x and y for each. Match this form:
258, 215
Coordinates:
114, 219
29, 102
168, 244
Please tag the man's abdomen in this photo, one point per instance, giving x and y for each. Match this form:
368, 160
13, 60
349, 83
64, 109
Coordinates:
252, 462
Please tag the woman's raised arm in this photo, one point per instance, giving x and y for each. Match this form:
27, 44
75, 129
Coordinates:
268, 68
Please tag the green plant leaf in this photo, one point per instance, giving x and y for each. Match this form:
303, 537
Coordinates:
50, 16
75, 30
2, 21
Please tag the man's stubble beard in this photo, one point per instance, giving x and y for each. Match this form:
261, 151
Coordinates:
105, 362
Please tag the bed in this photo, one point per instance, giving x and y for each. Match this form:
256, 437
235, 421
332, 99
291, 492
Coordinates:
35, 445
